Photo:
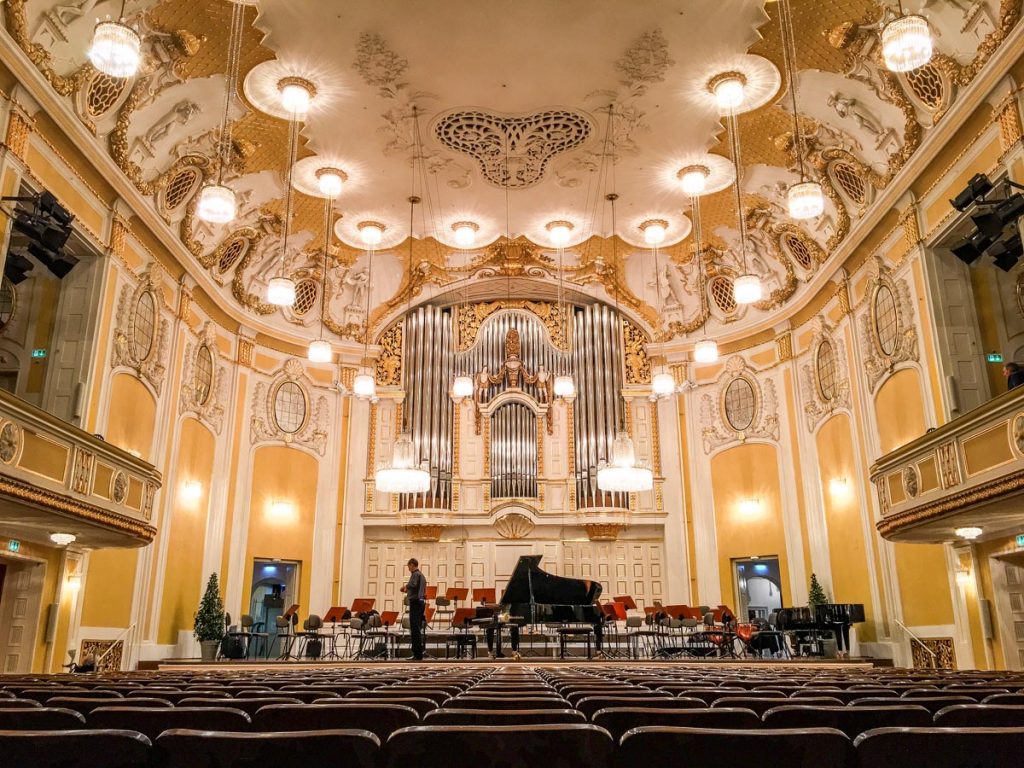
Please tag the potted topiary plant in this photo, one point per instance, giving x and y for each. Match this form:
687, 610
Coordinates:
816, 595
209, 620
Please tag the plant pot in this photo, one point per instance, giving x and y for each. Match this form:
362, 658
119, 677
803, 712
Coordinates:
208, 650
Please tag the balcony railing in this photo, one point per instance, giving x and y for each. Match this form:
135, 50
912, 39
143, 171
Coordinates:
50, 466
974, 464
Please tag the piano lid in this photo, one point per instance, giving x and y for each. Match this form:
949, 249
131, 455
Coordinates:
529, 584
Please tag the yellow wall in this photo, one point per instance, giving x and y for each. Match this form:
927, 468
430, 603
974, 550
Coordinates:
847, 552
921, 568
289, 475
184, 581
744, 472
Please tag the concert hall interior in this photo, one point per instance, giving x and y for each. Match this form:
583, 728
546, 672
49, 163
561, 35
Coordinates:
666, 347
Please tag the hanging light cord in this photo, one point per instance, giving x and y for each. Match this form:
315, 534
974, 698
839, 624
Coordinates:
293, 140
735, 143
789, 57
230, 84
329, 209
369, 287
701, 276
412, 209
120, 16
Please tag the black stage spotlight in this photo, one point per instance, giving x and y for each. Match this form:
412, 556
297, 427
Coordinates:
17, 267
993, 221
977, 188
970, 249
1007, 252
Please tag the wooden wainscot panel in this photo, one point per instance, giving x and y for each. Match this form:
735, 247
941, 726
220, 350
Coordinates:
987, 450
103, 481
43, 456
928, 471
135, 489
896, 493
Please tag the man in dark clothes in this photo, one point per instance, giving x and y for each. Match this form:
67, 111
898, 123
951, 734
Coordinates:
1014, 375
416, 592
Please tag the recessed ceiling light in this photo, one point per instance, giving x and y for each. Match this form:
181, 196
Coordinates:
559, 232
465, 233
296, 94
371, 232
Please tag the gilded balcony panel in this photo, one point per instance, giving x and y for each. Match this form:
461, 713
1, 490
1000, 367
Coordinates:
54, 475
969, 472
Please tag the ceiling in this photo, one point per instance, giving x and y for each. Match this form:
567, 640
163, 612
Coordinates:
507, 108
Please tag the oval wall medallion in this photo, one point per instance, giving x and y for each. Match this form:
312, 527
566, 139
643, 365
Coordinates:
911, 483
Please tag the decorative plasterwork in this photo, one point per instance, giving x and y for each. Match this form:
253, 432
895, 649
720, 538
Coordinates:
716, 429
604, 531
264, 426
151, 367
824, 393
424, 532
206, 401
513, 150
634, 348
881, 348
389, 362
472, 316
514, 525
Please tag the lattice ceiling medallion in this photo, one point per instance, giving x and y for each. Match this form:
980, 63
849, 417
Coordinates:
761, 79
528, 142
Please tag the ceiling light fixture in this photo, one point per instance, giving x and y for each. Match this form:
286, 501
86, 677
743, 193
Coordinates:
63, 539
297, 95
281, 288
330, 181
560, 232
663, 384
364, 386
694, 179
906, 42
654, 231
116, 48
217, 203
705, 351
564, 386
462, 387
371, 232
465, 233
746, 288
805, 199
729, 89
320, 349
969, 532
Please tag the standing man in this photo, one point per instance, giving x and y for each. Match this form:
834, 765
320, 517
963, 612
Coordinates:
416, 592
1014, 375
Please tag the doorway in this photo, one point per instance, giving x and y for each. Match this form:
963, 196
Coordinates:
21, 592
275, 588
757, 587
1008, 590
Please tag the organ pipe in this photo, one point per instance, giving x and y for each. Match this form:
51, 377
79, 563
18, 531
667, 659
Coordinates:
513, 452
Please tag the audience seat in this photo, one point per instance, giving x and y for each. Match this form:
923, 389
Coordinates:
761, 705
980, 716
40, 719
249, 706
932, 703
184, 748
852, 721
618, 720
174, 697
468, 701
421, 705
19, 703
592, 704
540, 745
711, 748
447, 716
61, 749
85, 706
1016, 699
380, 719
153, 722
940, 748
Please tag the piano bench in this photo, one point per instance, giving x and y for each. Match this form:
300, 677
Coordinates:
464, 644
567, 633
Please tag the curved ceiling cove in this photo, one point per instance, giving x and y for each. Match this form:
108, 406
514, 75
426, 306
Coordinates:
511, 121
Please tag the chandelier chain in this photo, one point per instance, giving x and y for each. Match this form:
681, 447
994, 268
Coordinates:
735, 145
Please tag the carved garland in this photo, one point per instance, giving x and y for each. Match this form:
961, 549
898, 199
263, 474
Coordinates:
716, 428
151, 367
264, 426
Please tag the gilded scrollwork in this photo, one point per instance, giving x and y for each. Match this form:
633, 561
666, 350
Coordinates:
826, 384
202, 390
634, 346
888, 333
555, 318
761, 419
265, 423
389, 362
152, 366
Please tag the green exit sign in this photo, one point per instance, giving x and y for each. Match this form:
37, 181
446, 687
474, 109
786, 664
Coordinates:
994, 357
13, 545
38, 354
1020, 539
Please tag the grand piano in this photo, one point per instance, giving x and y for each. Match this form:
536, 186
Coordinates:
540, 597
813, 620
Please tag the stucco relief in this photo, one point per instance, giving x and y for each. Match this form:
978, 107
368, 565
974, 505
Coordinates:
267, 422
824, 377
151, 366
203, 394
884, 345
722, 425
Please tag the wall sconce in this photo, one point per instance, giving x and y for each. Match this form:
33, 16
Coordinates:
74, 583
963, 577
191, 491
750, 506
282, 510
839, 488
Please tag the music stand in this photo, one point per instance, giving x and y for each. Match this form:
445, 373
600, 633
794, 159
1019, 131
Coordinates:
362, 605
333, 616
484, 595
627, 601
292, 617
456, 594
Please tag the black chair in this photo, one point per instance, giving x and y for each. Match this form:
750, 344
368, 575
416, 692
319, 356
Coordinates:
153, 722
852, 721
174, 697
940, 748
1013, 699
489, 717
485, 746
66, 749
306, 695
845, 696
591, 704
980, 716
436, 695
761, 705
249, 706
709, 748
619, 720
184, 748
43, 694
40, 719
380, 719
85, 706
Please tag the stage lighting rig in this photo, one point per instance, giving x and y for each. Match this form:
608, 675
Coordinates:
46, 225
997, 223
977, 188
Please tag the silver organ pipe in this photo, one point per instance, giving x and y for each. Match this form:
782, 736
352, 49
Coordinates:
513, 452
429, 411
597, 359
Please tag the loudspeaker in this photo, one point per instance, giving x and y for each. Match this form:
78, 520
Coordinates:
986, 619
52, 614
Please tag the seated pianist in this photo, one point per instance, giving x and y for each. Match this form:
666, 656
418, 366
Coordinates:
485, 611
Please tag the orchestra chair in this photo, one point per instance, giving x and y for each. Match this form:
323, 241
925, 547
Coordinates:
286, 634
852, 721
429, 746
461, 638
187, 748
980, 716
311, 632
94, 748
813, 748
939, 747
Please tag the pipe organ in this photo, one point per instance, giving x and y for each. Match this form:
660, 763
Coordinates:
513, 452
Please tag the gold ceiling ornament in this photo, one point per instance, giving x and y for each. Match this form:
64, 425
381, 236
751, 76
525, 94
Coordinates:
634, 348
389, 362
17, 26
469, 318
511, 258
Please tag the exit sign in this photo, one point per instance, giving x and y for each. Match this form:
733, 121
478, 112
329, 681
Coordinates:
41, 353
994, 357
1020, 539
13, 545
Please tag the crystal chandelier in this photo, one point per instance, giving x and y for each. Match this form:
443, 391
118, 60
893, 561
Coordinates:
663, 384
63, 539
402, 474
805, 199
462, 387
906, 42
116, 48
623, 474
320, 349
564, 387
364, 386
747, 289
281, 291
705, 351
217, 203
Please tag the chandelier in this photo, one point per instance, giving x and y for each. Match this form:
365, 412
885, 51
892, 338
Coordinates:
320, 349
116, 48
560, 232
217, 203
746, 289
623, 474
403, 474
906, 42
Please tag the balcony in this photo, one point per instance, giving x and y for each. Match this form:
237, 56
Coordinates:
969, 472
55, 476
